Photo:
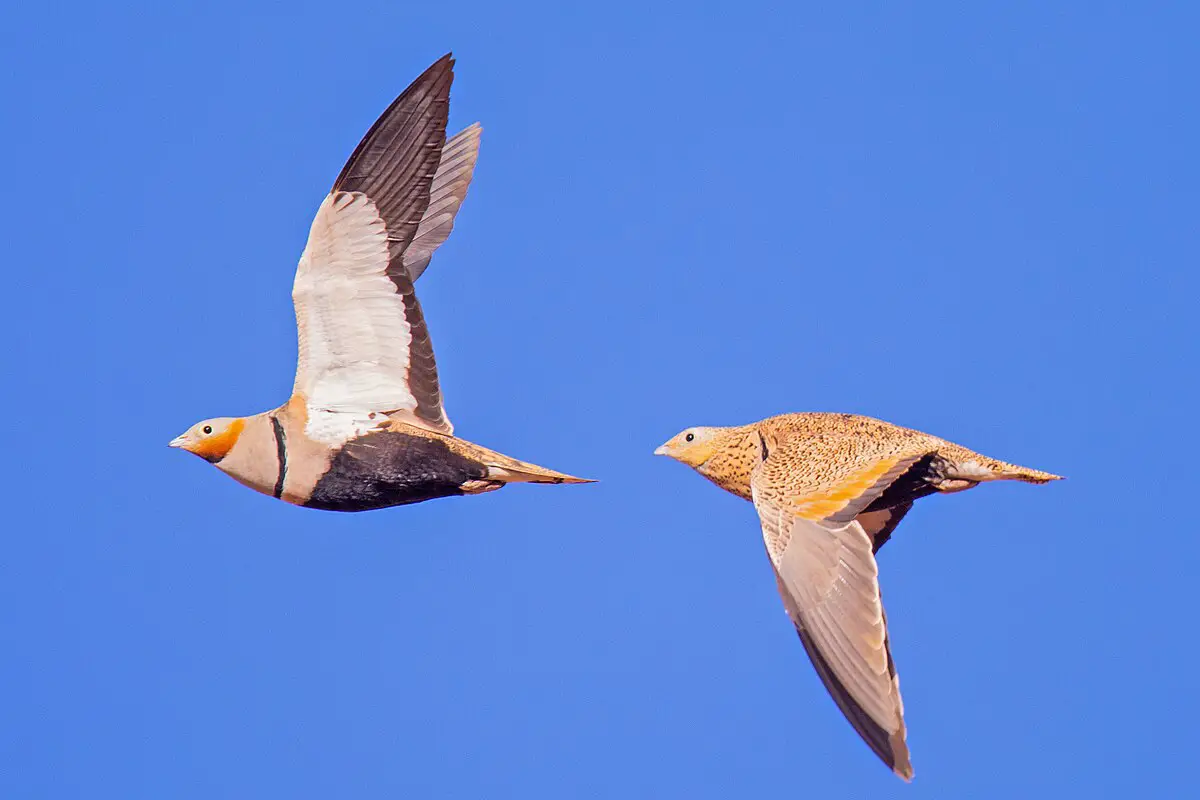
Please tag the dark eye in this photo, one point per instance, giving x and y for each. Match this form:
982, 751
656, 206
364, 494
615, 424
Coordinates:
690, 437
207, 429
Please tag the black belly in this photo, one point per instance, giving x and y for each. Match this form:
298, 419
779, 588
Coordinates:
392, 469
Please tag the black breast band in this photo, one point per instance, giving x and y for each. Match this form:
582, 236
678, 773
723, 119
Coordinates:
281, 452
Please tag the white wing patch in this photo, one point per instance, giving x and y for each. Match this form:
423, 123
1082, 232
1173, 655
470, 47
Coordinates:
354, 337
338, 427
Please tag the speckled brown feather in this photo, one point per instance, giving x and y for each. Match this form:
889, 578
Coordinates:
822, 451
830, 490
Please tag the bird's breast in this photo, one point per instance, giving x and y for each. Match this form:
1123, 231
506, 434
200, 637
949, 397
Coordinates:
254, 460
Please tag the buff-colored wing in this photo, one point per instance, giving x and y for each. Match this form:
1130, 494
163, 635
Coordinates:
828, 579
364, 346
446, 196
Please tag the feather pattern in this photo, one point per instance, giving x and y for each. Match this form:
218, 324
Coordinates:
829, 583
364, 345
830, 490
446, 195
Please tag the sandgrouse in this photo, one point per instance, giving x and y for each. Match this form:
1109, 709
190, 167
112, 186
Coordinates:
829, 490
365, 427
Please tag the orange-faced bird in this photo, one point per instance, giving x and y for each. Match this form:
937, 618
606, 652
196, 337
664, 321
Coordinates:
829, 490
365, 426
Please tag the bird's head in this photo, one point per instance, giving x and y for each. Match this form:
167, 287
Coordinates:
692, 446
211, 439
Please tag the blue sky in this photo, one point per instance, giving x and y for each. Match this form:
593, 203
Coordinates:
980, 223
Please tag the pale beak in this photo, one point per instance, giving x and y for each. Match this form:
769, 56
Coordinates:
178, 441
661, 451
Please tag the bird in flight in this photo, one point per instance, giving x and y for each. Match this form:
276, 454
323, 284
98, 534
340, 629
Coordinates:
365, 426
829, 490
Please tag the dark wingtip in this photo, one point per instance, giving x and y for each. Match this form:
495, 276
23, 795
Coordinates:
901, 765
437, 77
891, 749
443, 64
446, 63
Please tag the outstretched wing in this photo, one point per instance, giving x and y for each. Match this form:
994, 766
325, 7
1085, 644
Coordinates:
364, 346
446, 195
828, 579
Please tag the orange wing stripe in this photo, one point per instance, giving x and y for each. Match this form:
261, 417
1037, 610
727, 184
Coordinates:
817, 507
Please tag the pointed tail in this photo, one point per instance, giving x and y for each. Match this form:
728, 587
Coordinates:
1013, 472
1001, 470
972, 466
510, 470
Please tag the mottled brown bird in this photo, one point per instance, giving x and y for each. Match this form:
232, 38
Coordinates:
829, 490
365, 427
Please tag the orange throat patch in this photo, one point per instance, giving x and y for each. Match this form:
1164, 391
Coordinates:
215, 448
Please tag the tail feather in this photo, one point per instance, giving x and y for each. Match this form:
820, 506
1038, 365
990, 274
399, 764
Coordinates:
1013, 472
510, 470
1004, 471
987, 469
971, 466
533, 474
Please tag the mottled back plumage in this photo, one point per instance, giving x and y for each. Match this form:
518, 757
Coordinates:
830, 489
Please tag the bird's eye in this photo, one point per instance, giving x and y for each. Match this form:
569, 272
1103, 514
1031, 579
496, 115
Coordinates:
207, 429
690, 437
